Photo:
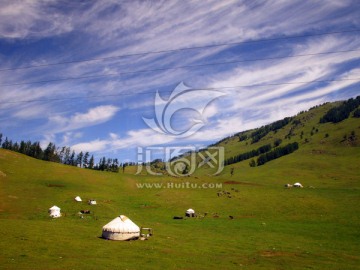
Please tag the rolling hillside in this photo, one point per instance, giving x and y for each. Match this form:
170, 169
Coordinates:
338, 143
271, 227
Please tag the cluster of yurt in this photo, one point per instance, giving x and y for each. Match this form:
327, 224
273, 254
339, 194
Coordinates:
296, 185
54, 211
120, 228
90, 202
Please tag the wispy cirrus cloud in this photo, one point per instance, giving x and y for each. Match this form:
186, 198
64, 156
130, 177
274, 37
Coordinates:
133, 139
46, 32
296, 73
93, 116
291, 70
22, 19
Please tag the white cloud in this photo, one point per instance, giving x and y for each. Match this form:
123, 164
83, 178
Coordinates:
93, 116
113, 136
28, 18
142, 137
92, 146
68, 137
133, 139
211, 111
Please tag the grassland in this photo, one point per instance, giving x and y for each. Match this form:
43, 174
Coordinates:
272, 228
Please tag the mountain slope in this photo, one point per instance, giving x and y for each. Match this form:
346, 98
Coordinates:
331, 143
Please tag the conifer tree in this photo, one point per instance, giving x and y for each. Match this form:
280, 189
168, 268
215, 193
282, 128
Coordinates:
79, 159
91, 162
86, 160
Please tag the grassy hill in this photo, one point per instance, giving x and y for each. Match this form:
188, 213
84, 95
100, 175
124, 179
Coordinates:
272, 227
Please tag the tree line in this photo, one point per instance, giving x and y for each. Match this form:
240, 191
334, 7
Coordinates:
64, 155
276, 153
357, 113
247, 155
342, 112
261, 132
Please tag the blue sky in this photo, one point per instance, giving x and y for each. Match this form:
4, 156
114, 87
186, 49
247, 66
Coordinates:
274, 48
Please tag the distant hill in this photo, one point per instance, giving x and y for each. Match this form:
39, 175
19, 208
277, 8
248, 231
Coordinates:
329, 126
322, 129
317, 126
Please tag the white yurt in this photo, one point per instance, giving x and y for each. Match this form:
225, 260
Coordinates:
121, 228
78, 199
54, 212
297, 185
92, 202
190, 213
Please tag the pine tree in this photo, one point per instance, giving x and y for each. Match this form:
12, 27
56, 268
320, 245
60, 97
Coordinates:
108, 164
102, 164
252, 163
5, 144
50, 153
79, 159
22, 148
36, 150
62, 154
356, 114
86, 160
16, 147
67, 156
115, 165
72, 160
91, 162
277, 142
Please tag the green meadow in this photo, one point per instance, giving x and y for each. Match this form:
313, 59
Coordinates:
272, 227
